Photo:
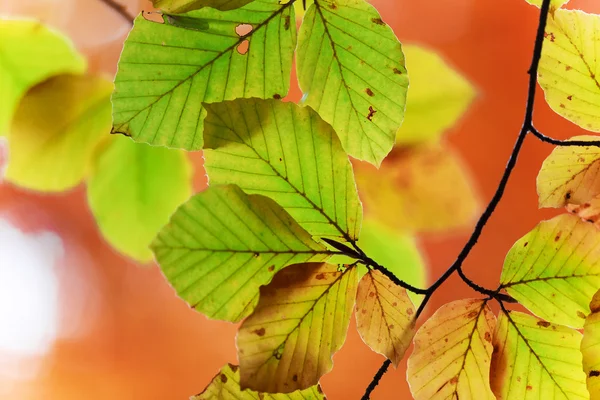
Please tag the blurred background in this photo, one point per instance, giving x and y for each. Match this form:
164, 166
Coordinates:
78, 320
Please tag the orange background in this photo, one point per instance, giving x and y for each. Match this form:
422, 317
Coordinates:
138, 341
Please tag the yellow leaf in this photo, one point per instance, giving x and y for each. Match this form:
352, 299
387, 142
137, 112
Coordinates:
451, 359
590, 348
554, 4
569, 70
569, 175
56, 130
588, 211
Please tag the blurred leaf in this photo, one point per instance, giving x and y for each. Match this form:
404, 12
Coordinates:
181, 6
534, 359
385, 316
226, 385
300, 321
222, 245
351, 69
569, 175
423, 188
554, 4
451, 358
590, 348
554, 270
437, 97
55, 132
29, 54
167, 71
134, 190
589, 211
287, 153
569, 69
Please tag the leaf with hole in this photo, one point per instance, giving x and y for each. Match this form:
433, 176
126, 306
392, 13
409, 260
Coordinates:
168, 71
289, 154
554, 270
222, 245
56, 130
183, 6
536, 360
351, 69
300, 321
453, 349
133, 191
590, 348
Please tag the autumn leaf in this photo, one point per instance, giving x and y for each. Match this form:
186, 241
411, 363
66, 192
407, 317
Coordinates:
590, 348
589, 211
554, 4
222, 245
182, 6
300, 321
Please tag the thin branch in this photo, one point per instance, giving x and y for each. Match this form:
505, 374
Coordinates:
120, 9
558, 142
371, 263
491, 207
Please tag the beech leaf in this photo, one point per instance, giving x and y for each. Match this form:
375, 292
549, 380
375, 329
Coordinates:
590, 348
182, 6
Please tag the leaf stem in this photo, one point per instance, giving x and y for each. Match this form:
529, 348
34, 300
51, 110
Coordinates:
120, 9
558, 142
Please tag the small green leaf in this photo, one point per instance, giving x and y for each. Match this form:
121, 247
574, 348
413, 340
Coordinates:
437, 97
534, 359
56, 130
554, 270
300, 321
226, 386
452, 354
30, 53
569, 70
134, 190
590, 348
351, 70
182, 6
222, 245
289, 154
168, 70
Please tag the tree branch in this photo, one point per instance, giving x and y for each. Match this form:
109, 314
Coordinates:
558, 142
120, 9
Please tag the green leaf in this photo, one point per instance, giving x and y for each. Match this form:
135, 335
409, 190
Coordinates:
56, 130
536, 360
452, 354
30, 53
569, 70
385, 316
167, 71
569, 175
222, 245
351, 70
134, 190
590, 348
226, 385
289, 154
182, 6
554, 270
437, 97
300, 321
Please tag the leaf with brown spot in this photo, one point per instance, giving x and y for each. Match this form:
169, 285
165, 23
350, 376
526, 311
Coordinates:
458, 368
590, 348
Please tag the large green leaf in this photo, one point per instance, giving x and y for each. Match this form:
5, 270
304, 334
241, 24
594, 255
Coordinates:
56, 130
300, 321
536, 360
351, 70
452, 354
133, 191
569, 70
168, 70
182, 6
226, 386
222, 245
590, 348
289, 154
554, 270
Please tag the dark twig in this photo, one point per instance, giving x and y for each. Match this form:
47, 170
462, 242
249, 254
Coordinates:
371, 263
491, 207
558, 142
120, 9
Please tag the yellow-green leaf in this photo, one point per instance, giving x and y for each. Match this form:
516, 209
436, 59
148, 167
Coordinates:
226, 386
351, 70
133, 191
590, 348
300, 321
569, 175
453, 349
287, 153
385, 316
554, 4
222, 245
167, 71
569, 70
536, 360
554, 270
30, 53
55, 132
437, 97
182, 6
